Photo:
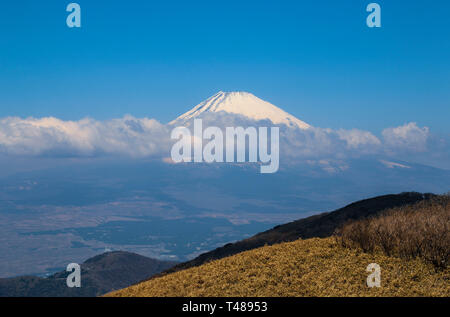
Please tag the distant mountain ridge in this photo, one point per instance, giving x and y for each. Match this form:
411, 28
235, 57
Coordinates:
99, 275
317, 226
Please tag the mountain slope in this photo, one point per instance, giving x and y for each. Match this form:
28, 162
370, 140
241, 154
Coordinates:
99, 275
322, 225
245, 104
313, 267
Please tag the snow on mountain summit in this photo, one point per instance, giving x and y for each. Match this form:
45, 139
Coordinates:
245, 104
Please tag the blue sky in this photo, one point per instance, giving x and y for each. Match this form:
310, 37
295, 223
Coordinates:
315, 59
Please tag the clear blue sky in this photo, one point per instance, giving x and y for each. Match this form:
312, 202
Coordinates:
316, 59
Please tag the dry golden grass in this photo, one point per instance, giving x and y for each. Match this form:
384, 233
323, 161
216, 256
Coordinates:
313, 267
420, 230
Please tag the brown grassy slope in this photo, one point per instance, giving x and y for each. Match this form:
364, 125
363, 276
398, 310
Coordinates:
420, 230
313, 267
317, 226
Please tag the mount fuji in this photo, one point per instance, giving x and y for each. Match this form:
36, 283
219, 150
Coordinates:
244, 104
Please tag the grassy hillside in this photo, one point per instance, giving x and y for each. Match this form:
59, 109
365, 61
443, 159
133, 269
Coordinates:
313, 267
321, 226
420, 230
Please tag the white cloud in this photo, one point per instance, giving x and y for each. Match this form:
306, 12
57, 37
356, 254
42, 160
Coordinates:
87, 137
408, 137
319, 142
134, 137
359, 139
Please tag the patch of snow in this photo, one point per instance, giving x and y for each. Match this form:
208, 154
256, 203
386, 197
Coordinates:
393, 164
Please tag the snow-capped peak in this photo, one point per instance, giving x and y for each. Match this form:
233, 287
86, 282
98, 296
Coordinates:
245, 104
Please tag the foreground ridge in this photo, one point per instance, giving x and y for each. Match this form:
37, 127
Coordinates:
313, 267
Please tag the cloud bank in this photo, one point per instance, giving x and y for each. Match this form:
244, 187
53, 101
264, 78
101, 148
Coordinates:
144, 137
408, 137
50, 136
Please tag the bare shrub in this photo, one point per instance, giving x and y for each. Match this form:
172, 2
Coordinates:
420, 230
